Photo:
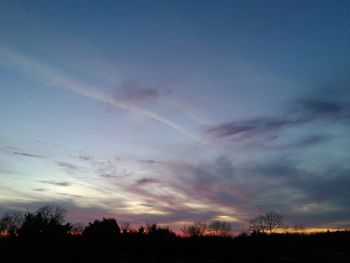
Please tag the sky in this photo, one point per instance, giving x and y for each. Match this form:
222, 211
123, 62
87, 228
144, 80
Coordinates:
177, 111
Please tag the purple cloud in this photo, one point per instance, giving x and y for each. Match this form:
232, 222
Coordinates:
146, 180
302, 111
133, 91
251, 128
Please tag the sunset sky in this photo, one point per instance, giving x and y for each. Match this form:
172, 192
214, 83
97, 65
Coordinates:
177, 111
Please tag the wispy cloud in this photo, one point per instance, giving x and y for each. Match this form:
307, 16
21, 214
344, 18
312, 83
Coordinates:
302, 142
132, 91
67, 165
251, 128
301, 112
57, 183
70, 195
39, 189
28, 154
146, 180
323, 108
85, 157
147, 161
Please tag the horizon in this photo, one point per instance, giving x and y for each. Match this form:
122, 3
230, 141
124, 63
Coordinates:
177, 111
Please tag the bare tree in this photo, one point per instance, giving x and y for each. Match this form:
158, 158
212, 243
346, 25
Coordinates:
220, 228
268, 222
10, 223
273, 221
257, 224
197, 229
125, 227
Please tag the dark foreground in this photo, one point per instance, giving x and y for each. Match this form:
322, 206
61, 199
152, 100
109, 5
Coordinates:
326, 247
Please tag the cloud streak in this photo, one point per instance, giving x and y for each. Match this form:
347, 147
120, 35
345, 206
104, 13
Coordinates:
251, 128
58, 79
57, 183
69, 166
303, 111
28, 154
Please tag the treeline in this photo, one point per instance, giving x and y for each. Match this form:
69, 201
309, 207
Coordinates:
44, 235
48, 222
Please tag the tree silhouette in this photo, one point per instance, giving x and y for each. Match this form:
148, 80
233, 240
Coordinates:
10, 223
43, 236
125, 227
158, 232
105, 229
220, 228
266, 223
197, 229
46, 222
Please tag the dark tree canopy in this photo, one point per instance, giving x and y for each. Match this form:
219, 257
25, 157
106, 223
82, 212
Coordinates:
107, 228
46, 222
158, 232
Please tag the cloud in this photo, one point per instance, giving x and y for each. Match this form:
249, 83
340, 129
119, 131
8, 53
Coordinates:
299, 113
302, 142
132, 91
184, 192
146, 180
319, 108
323, 108
147, 161
56, 183
67, 165
85, 157
28, 154
309, 140
244, 190
39, 189
116, 174
215, 184
315, 198
70, 195
251, 128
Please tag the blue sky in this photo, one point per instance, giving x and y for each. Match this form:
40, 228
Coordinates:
176, 111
